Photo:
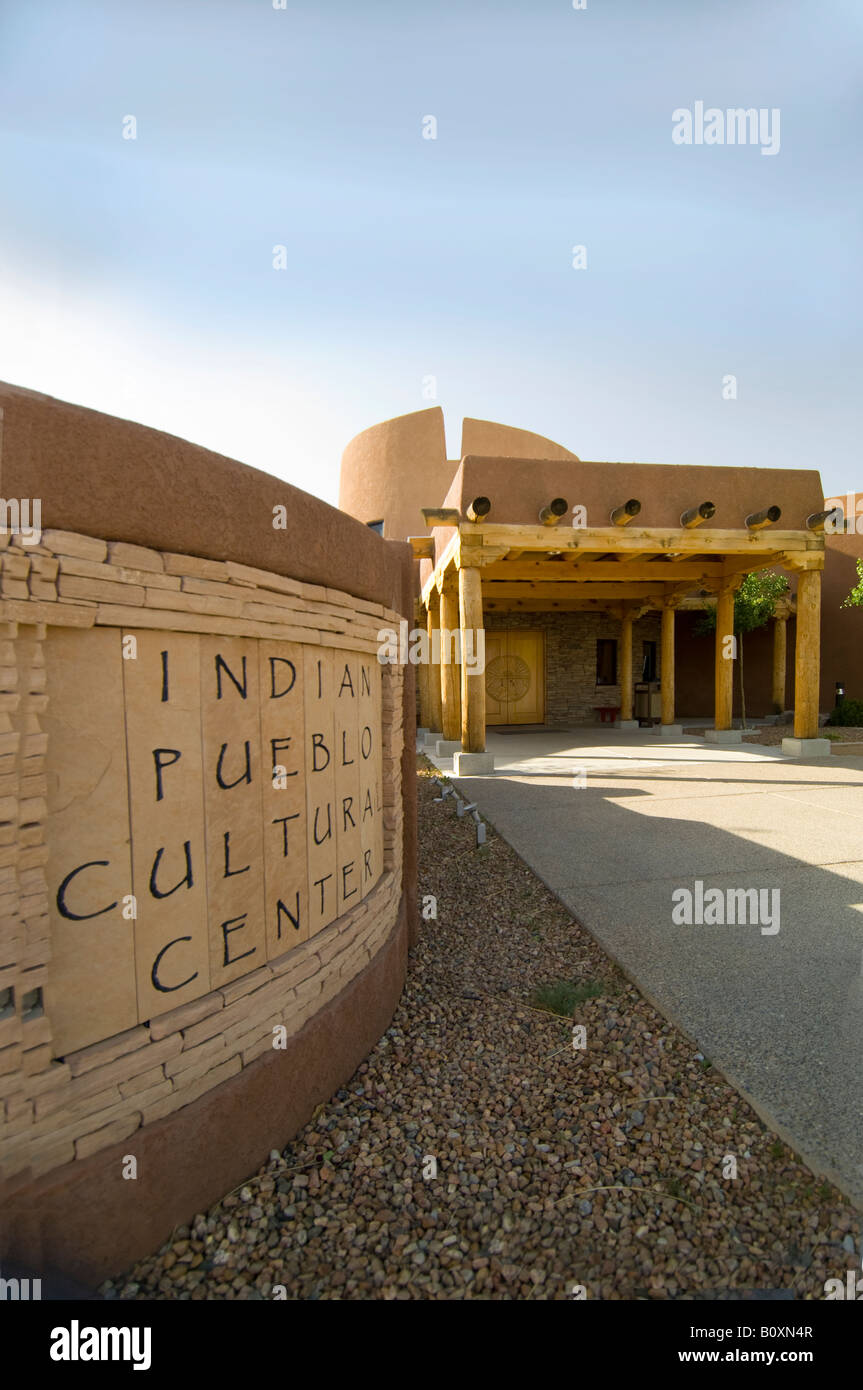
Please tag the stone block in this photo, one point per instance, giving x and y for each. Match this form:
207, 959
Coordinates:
136, 556
99, 590
69, 543
806, 747
473, 764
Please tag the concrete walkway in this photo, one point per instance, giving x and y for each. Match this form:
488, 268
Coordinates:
615, 823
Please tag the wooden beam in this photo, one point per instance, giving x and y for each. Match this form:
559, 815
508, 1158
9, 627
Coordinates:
656, 540
675, 592
723, 675
768, 516
478, 508
622, 515
817, 520
551, 515
564, 605
695, 515
473, 549
441, 516
472, 685
447, 559
555, 571
666, 670
736, 567
497, 588
422, 547
807, 656
810, 560
780, 648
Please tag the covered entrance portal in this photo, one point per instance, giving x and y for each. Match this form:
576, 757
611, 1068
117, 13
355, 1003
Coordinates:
621, 568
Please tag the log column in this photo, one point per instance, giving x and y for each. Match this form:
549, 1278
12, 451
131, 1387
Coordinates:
807, 656
626, 666
667, 671
434, 677
723, 675
472, 685
449, 672
423, 680
780, 648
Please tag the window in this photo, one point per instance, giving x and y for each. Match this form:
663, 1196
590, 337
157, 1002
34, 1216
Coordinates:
648, 663
376, 526
606, 661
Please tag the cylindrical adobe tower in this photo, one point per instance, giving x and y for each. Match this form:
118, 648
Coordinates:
394, 469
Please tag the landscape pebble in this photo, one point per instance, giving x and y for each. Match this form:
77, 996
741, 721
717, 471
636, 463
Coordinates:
476, 1154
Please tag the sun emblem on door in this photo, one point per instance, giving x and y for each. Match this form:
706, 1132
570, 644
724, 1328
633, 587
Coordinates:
507, 678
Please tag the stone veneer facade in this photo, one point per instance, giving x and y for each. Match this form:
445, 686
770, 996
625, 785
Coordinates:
56, 1111
572, 694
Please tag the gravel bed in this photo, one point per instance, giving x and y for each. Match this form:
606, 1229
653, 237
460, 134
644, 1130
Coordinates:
600, 1167
771, 735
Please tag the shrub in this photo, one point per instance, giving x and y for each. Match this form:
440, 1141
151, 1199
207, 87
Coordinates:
562, 996
848, 714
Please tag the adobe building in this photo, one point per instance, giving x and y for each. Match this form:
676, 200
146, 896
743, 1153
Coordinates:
590, 580
207, 826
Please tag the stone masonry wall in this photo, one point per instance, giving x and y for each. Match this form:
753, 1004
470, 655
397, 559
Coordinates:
570, 657
55, 1110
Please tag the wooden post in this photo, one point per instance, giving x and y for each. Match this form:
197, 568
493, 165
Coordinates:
667, 668
449, 673
723, 675
807, 655
423, 682
780, 648
472, 686
626, 665
434, 683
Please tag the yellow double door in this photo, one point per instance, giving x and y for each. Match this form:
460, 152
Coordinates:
514, 676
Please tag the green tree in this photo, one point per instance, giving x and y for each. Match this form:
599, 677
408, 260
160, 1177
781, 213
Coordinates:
855, 598
754, 605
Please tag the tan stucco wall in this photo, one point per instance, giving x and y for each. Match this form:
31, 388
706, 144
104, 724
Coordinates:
488, 437
394, 469
146, 533
102, 476
518, 488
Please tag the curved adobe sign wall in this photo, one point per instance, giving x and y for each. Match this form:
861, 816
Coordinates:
215, 801
207, 845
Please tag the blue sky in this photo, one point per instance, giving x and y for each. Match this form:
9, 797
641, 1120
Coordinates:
136, 276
